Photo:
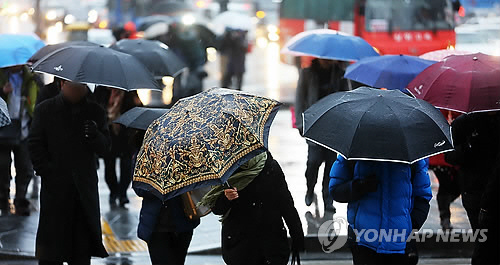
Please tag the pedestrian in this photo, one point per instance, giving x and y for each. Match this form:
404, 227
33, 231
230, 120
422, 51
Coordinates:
252, 210
19, 88
322, 78
476, 139
117, 102
66, 134
234, 47
449, 189
385, 196
166, 229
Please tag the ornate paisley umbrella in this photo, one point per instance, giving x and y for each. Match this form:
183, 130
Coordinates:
201, 141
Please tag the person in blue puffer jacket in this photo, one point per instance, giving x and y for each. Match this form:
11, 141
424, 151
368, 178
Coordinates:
385, 196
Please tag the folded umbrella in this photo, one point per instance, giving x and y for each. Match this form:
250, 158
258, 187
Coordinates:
201, 141
4, 114
97, 65
387, 71
461, 83
155, 55
54, 47
16, 49
329, 44
378, 125
139, 117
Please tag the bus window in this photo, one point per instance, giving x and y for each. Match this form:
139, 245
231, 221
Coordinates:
401, 15
320, 10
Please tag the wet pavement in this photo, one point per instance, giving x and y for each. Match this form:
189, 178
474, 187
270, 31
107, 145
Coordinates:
17, 234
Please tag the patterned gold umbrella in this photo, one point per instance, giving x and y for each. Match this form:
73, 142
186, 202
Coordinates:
201, 141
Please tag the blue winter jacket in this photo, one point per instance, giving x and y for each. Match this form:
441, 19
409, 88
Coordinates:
399, 199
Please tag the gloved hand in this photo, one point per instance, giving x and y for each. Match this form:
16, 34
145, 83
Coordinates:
365, 185
89, 129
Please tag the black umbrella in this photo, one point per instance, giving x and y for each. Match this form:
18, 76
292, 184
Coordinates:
379, 125
155, 55
146, 22
139, 117
51, 48
97, 65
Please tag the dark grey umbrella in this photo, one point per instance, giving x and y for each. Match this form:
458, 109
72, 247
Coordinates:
139, 117
379, 125
155, 55
97, 65
4, 114
54, 47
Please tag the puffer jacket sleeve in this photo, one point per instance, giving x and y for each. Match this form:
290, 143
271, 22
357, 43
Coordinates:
422, 194
341, 181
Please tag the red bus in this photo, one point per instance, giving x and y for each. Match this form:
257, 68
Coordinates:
409, 27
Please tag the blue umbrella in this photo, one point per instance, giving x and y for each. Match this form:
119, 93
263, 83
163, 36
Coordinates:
330, 44
16, 49
387, 71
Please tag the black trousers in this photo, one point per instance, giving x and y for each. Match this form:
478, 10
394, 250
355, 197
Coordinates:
227, 80
169, 248
449, 189
317, 155
118, 187
24, 170
484, 252
364, 255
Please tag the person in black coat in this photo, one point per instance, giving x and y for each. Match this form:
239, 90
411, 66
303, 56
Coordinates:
477, 148
252, 230
234, 45
66, 134
321, 79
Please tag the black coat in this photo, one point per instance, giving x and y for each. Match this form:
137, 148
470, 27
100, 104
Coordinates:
253, 232
314, 84
66, 162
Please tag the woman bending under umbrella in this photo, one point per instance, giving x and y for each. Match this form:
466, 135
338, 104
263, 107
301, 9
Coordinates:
253, 209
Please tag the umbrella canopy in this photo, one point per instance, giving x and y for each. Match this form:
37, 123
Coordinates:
462, 83
155, 55
54, 47
233, 20
329, 44
378, 125
16, 49
99, 66
303, 34
4, 114
439, 55
387, 71
201, 141
139, 117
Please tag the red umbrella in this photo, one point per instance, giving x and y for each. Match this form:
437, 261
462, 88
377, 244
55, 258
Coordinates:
462, 83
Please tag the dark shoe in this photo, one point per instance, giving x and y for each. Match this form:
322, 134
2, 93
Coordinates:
330, 208
446, 224
309, 197
112, 200
22, 207
124, 200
